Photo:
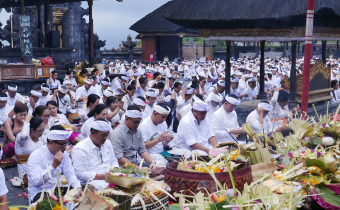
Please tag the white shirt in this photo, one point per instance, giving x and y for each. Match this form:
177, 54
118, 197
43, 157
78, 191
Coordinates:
251, 93
148, 110
82, 92
190, 132
235, 92
11, 101
98, 90
54, 121
3, 187
89, 160
24, 145
39, 163
222, 120
141, 92
277, 111
117, 117
185, 110
253, 119
127, 101
151, 131
63, 103
83, 115
53, 85
85, 129
44, 99
116, 84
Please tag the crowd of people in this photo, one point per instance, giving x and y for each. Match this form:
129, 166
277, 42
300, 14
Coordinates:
133, 113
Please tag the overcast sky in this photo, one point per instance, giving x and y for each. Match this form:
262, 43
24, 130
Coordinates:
113, 19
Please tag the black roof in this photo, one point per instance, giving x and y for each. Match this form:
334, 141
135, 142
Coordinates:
155, 23
13, 3
225, 14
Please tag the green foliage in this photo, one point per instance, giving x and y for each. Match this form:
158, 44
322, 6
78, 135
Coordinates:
139, 43
130, 169
45, 204
218, 206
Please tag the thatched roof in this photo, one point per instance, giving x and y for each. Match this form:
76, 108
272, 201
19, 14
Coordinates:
224, 14
13, 3
155, 23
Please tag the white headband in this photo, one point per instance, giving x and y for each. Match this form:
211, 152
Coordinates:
151, 93
62, 90
105, 82
265, 106
167, 99
161, 110
133, 113
235, 80
217, 97
100, 125
221, 83
36, 93
190, 91
125, 78
139, 102
232, 100
59, 135
66, 82
45, 89
200, 106
3, 98
108, 93
251, 80
89, 81
13, 88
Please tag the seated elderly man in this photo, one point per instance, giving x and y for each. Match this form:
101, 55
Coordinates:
251, 91
259, 119
155, 133
224, 121
92, 156
194, 131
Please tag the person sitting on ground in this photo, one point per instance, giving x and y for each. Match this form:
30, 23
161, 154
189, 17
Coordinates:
187, 108
46, 161
13, 95
69, 76
115, 110
94, 156
90, 102
33, 101
53, 82
44, 113
81, 76
151, 96
84, 91
100, 89
279, 103
3, 191
251, 91
45, 95
55, 117
194, 131
259, 119
68, 84
100, 111
160, 87
334, 93
63, 98
213, 100
29, 139
141, 86
155, 133
128, 98
13, 126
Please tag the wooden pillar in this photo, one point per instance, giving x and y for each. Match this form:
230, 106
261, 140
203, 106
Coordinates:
181, 47
204, 48
298, 47
284, 49
293, 74
227, 69
337, 45
324, 44
40, 42
47, 17
22, 7
233, 49
90, 31
257, 49
262, 94
158, 48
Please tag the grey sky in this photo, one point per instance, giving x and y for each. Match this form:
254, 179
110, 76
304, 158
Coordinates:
113, 19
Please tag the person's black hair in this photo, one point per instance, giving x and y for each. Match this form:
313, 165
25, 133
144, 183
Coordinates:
97, 110
156, 74
4, 95
35, 122
142, 80
159, 85
283, 96
94, 78
141, 98
84, 71
39, 110
270, 76
286, 131
176, 84
53, 103
171, 78
195, 81
131, 87
45, 85
20, 107
53, 72
12, 85
194, 86
200, 97
133, 82
68, 72
107, 72
106, 80
264, 102
333, 83
133, 107
110, 100
233, 96
58, 128
91, 99
94, 71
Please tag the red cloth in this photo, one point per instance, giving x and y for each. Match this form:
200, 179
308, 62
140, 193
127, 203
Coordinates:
47, 61
9, 150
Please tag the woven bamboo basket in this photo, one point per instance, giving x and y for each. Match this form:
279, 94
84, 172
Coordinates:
186, 182
260, 169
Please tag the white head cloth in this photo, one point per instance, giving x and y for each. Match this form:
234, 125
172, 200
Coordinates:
161, 110
232, 100
139, 102
151, 93
200, 106
12, 88
89, 81
3, 98
133, 113
190, 90
45, 89
235, 80
108, 92
221, 83
59, 135
67, 82
36, 93
265, 106
217, 97
125, 78
167, 99
101, 125
105, 82
62, 89
251, 80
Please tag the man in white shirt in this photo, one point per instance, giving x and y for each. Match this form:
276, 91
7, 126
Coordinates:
99, 89
92, 156
119, 88
213, 100
187, 108
13, 95
62, 96
33, 101
155, 133
335, 73
224, 121
234, 87
194, 131
84, 91
259, 119
251, 91
47, 160
45, 95
151, 96
3, 191
3, 106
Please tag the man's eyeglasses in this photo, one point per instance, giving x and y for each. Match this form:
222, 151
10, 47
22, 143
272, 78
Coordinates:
46, 116
136, 122
63, 145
